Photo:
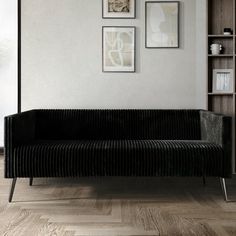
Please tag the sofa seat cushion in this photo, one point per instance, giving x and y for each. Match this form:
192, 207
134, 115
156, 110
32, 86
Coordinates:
118, 158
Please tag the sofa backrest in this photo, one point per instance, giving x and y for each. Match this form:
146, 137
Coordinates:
117, 124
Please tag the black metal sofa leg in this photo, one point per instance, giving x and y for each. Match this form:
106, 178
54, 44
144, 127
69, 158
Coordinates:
31, 181
224, 189
12, 189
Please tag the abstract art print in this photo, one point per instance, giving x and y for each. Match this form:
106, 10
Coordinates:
162, 24
118, 8
222, 81
118, 49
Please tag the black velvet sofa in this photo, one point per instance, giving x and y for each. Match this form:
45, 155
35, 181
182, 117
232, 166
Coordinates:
72, 143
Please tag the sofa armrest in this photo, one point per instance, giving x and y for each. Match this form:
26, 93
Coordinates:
217, 128
18, 129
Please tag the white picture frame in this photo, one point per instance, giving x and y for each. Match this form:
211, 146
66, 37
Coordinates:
118, 49
119, 9
222, 81
162, 24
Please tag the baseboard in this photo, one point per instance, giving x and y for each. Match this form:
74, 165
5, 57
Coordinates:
1, 151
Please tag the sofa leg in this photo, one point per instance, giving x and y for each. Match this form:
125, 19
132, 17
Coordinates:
12, 189
31, 181
224, 189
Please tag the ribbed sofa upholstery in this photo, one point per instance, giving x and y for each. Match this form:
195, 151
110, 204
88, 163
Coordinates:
66, 143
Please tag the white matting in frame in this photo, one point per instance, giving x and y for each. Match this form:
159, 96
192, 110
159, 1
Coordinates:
118, 48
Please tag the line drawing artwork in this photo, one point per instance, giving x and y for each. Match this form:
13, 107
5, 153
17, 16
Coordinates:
119, 51
117, 46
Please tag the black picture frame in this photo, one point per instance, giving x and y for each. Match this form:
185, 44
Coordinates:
119, 17
134, 51
146, 24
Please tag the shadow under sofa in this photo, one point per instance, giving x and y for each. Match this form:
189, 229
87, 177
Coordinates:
82, 143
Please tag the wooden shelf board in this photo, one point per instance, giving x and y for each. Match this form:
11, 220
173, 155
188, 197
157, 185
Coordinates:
221, 55
220, 94
220, 36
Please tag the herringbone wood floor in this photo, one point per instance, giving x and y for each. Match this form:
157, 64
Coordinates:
116, 206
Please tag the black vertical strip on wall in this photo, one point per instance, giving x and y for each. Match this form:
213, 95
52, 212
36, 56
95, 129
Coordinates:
19, 57
19, 64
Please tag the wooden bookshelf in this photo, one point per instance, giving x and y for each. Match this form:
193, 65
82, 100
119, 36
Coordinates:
221, 14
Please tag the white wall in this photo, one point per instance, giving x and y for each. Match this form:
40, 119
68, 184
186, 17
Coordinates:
62, 59
8, 61
201, 55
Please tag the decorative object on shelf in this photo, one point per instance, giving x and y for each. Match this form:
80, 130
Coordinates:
222, 81
119, 9
118, 48
228, 31
216, 48
162, 24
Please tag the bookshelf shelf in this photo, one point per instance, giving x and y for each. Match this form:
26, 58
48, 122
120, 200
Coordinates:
220, 94
220, 36
221, 55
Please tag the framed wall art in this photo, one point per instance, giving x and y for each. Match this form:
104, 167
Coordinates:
222, 81
118, 49
162, 24
119, 9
